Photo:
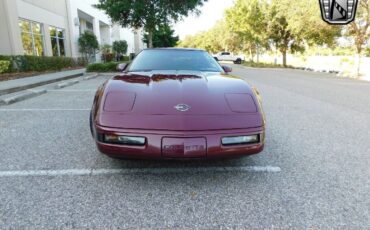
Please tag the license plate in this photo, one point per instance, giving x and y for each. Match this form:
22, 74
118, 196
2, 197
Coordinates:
184, 147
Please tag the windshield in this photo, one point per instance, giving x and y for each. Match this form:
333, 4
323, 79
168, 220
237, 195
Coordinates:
162, 59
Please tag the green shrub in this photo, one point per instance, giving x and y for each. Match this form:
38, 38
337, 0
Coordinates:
108, 57
88, 44
132, 56
344, 59
103, 67
120, 47
367, 51
7, 58
264, 65
81, 61
22, 63
125, 58
4, 66
47, 63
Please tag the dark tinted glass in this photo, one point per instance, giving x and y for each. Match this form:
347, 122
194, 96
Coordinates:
61, 47
53, 31
54, 46
174, 60
60, 33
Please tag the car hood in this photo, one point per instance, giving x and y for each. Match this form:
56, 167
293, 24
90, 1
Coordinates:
153, 93
149, 100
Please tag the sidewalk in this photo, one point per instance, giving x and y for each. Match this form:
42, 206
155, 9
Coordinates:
12, 86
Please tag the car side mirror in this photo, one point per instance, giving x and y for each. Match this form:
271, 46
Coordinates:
227, 69
122, 67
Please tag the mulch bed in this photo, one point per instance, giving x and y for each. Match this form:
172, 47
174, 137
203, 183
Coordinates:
18, 75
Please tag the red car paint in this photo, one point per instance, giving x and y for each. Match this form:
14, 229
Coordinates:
143, 104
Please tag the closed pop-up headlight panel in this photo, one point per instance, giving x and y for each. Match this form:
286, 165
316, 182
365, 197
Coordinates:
241, 103
119, 101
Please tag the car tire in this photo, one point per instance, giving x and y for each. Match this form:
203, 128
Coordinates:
238, 61
91, 124
216, 59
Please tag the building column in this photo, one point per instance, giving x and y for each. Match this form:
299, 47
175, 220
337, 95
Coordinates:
68, 38
47, 40
96, 26
10, 34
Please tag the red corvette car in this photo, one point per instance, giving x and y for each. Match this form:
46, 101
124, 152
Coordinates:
177, 103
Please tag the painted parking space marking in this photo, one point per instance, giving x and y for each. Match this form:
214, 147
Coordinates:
127, 171
27, 110
71, 90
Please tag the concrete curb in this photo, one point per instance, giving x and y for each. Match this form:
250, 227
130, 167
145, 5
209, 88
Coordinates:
34, 85
29, 93
90, 77
329, 73
109, 74
23, 96
307, 69
66, 84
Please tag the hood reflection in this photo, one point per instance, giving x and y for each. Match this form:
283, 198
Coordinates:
145, 79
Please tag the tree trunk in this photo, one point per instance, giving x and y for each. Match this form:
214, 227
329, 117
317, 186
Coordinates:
150, 39
258, 53
358, 65
358, 62
284, 52
250, 55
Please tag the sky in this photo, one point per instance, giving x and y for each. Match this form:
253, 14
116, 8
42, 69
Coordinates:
211, 12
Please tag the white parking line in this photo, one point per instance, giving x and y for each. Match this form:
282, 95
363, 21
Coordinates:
72, 90
98, 172
15, 110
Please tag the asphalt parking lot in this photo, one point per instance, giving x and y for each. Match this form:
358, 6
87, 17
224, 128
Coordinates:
313, 174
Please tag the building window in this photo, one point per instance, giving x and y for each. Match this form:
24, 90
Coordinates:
86, 26
32, 37
57, 41
89, 26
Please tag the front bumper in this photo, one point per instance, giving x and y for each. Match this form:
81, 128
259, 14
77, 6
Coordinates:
201, 144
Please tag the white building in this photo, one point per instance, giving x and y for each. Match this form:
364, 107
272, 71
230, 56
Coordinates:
52, 27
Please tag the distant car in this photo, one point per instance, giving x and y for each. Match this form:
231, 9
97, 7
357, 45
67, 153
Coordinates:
227, 56
177, 103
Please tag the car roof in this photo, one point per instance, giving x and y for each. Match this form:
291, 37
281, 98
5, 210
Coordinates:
175, 49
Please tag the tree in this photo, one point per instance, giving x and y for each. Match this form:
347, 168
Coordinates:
304, 21
279, 33
149, 13
216, 39
188, 42
293, 28
120, 48
106, 48
88, 44
247, 19
163, 36
221, 38
254, 25
106, 52
360, 30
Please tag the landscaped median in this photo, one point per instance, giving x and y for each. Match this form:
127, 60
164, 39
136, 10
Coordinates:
103, 67
263, 65
20, 66
342, 66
